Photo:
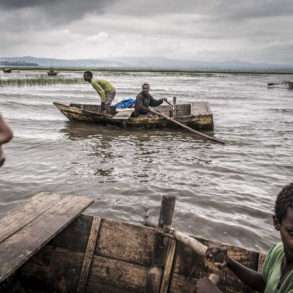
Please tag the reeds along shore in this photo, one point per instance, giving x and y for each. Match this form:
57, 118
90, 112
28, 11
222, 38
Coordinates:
41, 81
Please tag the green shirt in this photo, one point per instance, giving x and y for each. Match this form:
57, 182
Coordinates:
272, 271
103, 88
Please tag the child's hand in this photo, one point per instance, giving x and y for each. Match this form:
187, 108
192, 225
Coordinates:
218, 255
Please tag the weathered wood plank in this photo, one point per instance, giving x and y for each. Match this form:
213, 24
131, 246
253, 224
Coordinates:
18, 248
119, 274
167, 275
124, 114
139, 247
79, 229
51, 269
167, 211
153, 282
182, 284
19, 217
87, 261
107, 275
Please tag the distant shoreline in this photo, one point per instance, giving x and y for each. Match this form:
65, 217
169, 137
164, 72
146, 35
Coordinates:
187, 71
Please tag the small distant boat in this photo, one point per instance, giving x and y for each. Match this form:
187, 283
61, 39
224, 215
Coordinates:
283, 84
196, 115
52, 72
7, 70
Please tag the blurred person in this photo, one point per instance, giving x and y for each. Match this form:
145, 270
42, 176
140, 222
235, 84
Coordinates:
5, 136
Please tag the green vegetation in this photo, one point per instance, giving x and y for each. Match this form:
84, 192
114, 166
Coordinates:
171, 71
39, 81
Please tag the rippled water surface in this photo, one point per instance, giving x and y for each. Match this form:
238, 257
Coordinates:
223, 192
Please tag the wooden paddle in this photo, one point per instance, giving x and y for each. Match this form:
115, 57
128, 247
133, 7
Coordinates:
198, 133
198, 248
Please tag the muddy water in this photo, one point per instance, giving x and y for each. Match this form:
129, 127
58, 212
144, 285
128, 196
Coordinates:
223, 192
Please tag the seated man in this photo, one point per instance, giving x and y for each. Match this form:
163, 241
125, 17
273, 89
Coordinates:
277, 275
104, 88
144, 100
5, 136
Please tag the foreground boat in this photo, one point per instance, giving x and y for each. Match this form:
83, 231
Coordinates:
51, 248
196, 115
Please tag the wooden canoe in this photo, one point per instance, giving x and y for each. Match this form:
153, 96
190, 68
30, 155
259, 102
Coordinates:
196, 115
283, 84
7, 70
52, 73
94, 254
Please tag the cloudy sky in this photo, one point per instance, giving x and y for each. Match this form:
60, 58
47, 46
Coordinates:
202, 30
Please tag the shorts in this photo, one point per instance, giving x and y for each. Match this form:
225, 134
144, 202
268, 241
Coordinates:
110, 97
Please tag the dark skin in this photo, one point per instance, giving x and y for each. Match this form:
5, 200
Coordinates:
88, 78
250, 277
146, 90
5, 136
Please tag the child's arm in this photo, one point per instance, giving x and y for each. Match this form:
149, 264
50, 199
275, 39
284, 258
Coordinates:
248, 276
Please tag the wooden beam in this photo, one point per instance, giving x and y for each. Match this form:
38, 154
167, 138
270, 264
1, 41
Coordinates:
167, 275
167, 211
89, 253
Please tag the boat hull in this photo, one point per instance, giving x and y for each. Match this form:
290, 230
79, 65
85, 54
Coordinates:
90, 114
123, 258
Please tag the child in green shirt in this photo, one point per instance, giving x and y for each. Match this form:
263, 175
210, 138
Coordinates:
277, 275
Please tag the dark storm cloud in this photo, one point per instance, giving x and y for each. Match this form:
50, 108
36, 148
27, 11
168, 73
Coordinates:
250, 30
230, 9
219, 10
57, 11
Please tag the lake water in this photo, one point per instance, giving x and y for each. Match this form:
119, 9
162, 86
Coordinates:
224, 193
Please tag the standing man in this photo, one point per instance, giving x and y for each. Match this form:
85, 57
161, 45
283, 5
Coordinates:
5, 136
144, 100
104, 89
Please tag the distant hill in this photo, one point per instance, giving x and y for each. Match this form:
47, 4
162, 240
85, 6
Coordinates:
146, 63
18, 63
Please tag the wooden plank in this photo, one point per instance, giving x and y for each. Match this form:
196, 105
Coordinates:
139, 247
123, 114
17, 249
19, 217
118, 274
79, 229
87, 261
51, 269
167, 275
153, 280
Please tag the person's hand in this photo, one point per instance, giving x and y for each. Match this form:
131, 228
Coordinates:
165, 100
204, 285
218, 255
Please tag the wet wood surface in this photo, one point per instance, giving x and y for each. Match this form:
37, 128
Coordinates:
23, 240
127, 258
